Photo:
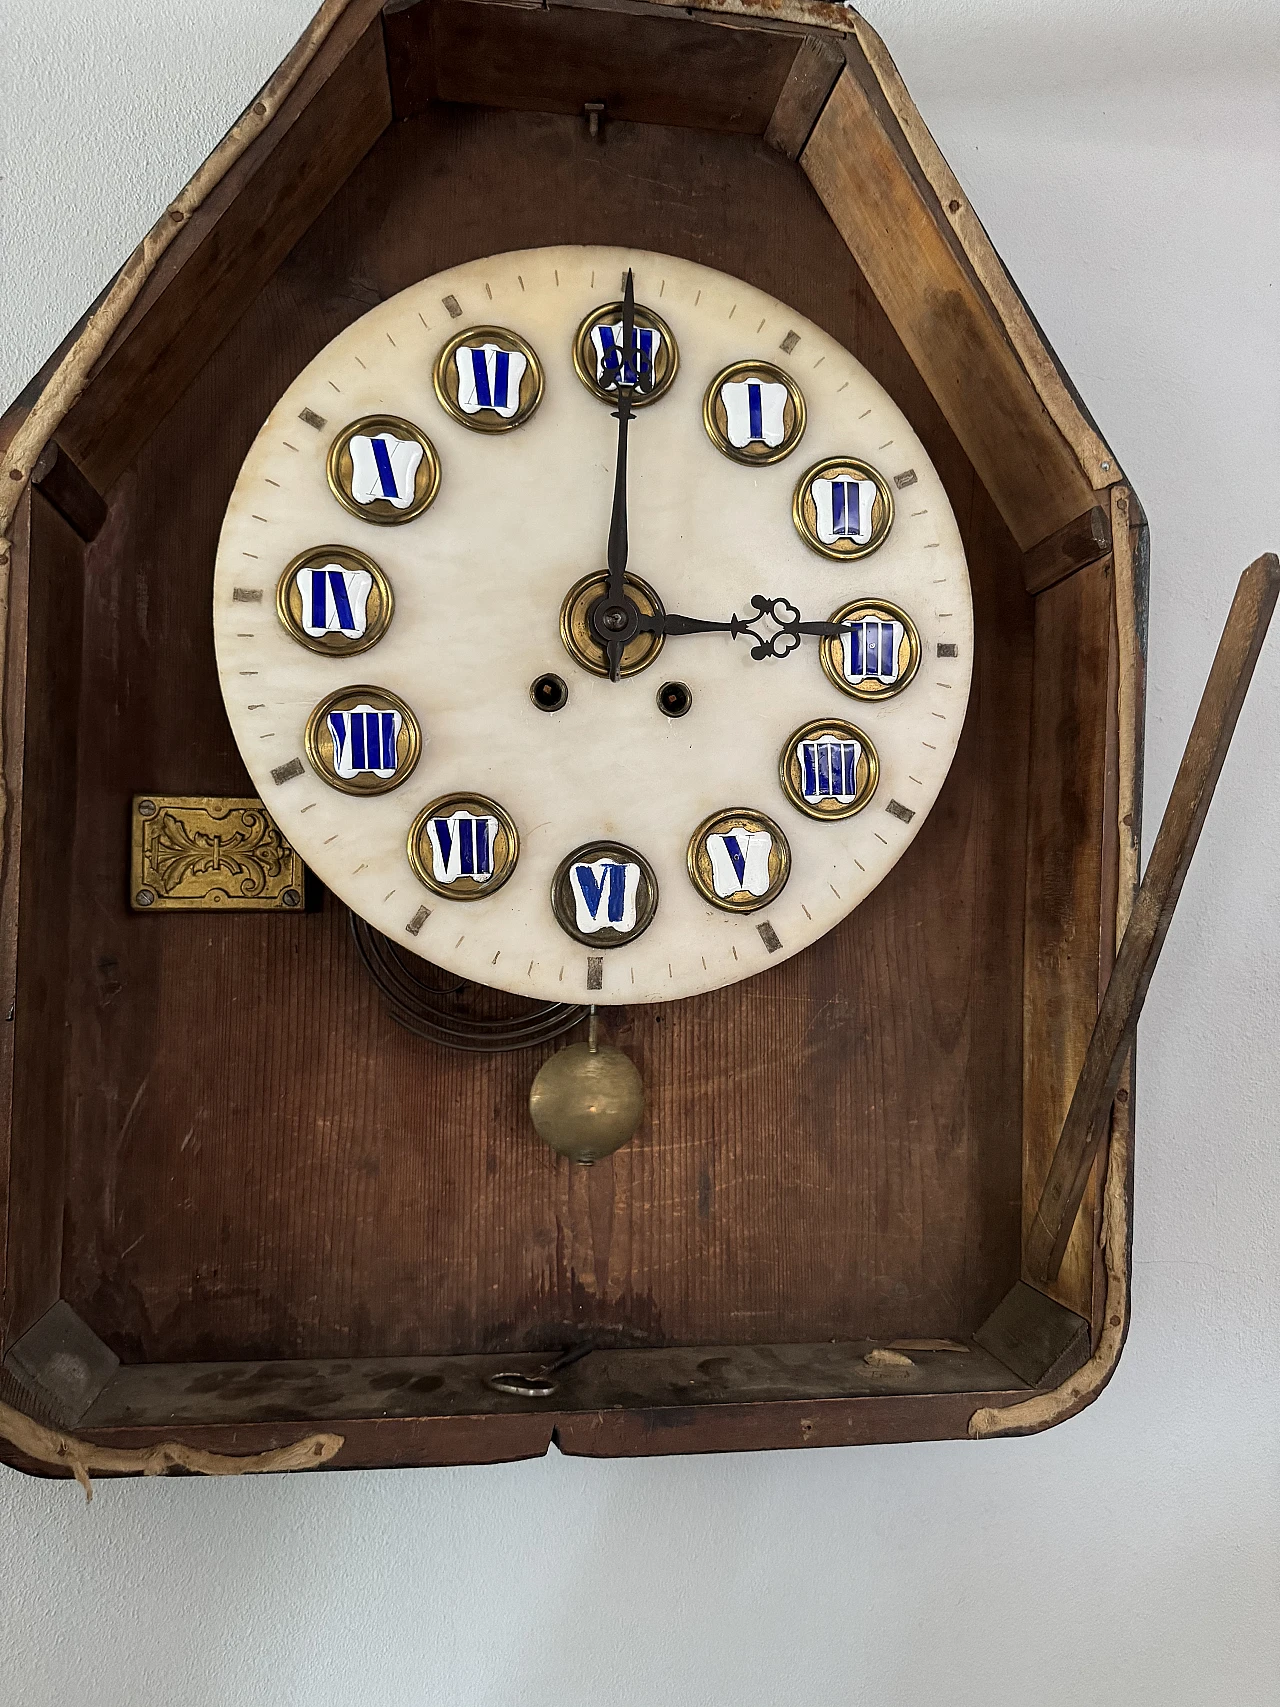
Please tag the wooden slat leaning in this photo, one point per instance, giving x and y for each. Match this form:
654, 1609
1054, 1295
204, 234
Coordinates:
1233, 666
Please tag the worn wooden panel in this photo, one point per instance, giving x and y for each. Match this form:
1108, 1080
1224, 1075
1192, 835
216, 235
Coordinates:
234, 244
872, 189
1070, 926
321, 1391
265, 1166
14, 711
47, 807
656, 70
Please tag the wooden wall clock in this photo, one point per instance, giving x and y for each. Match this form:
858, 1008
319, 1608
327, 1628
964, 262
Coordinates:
656, 567
739, 826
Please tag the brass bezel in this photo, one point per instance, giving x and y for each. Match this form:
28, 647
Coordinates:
806, 525
346, 557
584, 361
346, 699
717, 433
381, 513
789, 766
830, 648
698, 860
482, 806
563, 908
446, 388
583, 647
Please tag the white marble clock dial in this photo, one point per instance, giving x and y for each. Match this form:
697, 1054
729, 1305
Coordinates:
504, 468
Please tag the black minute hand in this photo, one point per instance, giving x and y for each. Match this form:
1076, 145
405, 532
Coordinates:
788, 626
613, 618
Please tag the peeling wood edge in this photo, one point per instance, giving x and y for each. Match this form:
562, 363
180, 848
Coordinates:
63, 1451
1045, 1410
816, 14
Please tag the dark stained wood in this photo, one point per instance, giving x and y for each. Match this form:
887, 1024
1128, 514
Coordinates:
1082, 542
772, 1426
832, 1149
315, 1391
37, 1167
872, 188
249, 223
13, 706
1068, 930
804, 94
1175, 844
423, 1424
1040, 1341
672, 70
56, 477
61, 1365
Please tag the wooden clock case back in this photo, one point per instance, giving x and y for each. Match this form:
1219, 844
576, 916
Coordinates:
226, 1166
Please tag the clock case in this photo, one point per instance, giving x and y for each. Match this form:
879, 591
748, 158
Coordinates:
241, 1204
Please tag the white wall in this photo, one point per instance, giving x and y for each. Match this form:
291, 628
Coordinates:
1125, 160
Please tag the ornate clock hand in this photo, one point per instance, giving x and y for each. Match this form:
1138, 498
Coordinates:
614, 617
781, 612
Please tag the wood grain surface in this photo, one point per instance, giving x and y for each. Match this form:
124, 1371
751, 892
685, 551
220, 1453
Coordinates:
1070, 883
1175, 845
41, 1044
675, 70
262, 1165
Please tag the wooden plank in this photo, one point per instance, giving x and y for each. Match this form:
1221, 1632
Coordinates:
856, 161
1067, 926
804, 94
56, 477
398, 1202
1082, 542
231, 247
493, 1439
1175, 845
13, 707
334, 1391
1040, 1341
37, 1178
674, 70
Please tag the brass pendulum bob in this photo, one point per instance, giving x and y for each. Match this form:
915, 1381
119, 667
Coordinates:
587, 1100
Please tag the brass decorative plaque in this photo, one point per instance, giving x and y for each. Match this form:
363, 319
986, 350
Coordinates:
205, 854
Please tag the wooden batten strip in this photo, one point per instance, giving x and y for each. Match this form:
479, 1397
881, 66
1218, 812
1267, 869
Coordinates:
1082, 542
811, 79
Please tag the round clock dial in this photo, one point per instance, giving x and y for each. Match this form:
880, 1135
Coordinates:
413, 596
